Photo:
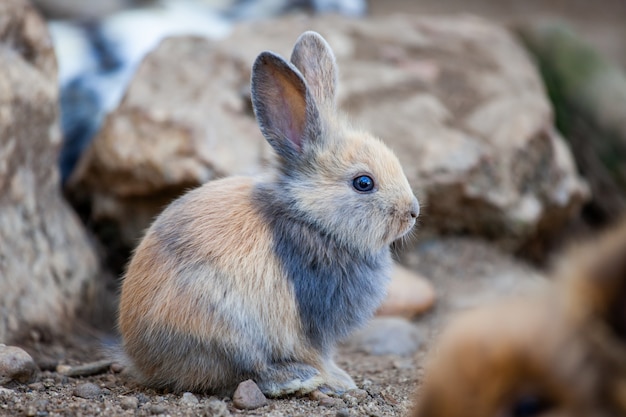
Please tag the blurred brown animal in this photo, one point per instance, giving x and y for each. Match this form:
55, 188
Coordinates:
561, 352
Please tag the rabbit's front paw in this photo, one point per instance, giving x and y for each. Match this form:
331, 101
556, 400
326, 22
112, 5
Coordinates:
288, 378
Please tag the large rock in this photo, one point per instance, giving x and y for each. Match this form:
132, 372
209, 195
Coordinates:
80, 9
46, 261
463, 107
177, 127
408, 294
589, 95
457, 98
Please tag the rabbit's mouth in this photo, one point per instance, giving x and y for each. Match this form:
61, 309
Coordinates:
410, 224
403, 220
399, 227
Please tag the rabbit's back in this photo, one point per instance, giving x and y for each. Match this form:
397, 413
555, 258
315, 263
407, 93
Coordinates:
205, 285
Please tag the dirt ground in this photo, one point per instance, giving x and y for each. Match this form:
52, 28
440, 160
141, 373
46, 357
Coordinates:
464, 273
388, 380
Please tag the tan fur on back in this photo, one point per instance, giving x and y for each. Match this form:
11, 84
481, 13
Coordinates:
228, 233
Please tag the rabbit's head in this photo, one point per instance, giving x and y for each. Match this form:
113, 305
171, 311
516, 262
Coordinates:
561, 352
342, 181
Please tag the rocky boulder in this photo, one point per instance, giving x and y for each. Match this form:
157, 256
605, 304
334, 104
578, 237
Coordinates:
464, 108
177, 127
589, 95
46, 261
457, 99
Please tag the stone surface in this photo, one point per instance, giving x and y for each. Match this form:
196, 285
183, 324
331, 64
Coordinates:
47, 264
468, 272
156, 408
80, 9
408, 294
589, 95
129, 402
177, 127
87, 390
463, 107
358, 394
325, 400
457, 99
388, 336
248, 396
16, 365
217, 408
189, 400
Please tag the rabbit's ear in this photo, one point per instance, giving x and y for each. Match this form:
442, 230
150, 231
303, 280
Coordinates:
315, 60
285, 110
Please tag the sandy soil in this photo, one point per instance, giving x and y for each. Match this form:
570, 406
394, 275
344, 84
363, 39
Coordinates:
388, 380
465, 272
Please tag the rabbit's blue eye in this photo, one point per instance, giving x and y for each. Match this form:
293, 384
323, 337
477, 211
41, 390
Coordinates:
363, 183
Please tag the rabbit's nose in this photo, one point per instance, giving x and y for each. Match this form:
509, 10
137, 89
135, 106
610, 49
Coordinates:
415, 208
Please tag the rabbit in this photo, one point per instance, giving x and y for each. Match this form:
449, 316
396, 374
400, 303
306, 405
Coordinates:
559, 352
259, 277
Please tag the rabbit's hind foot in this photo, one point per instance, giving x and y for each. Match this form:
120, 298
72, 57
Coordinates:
279, 380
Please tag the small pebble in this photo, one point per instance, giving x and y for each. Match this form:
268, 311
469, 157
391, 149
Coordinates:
117, 367
86, 369
217, 408
110, 381
325, 400
317, 395
43, 403
189, 400
129, 403
87, 390
350, 400
60, 379
37, 386
31, 411
156, 408
373, 390
63, 369
16, 365
404, 363
388, 336
408, 295
343, 413
248, 396
334, 402
359, 394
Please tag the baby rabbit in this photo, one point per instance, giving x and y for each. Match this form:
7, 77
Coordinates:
258, 277
559, 353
